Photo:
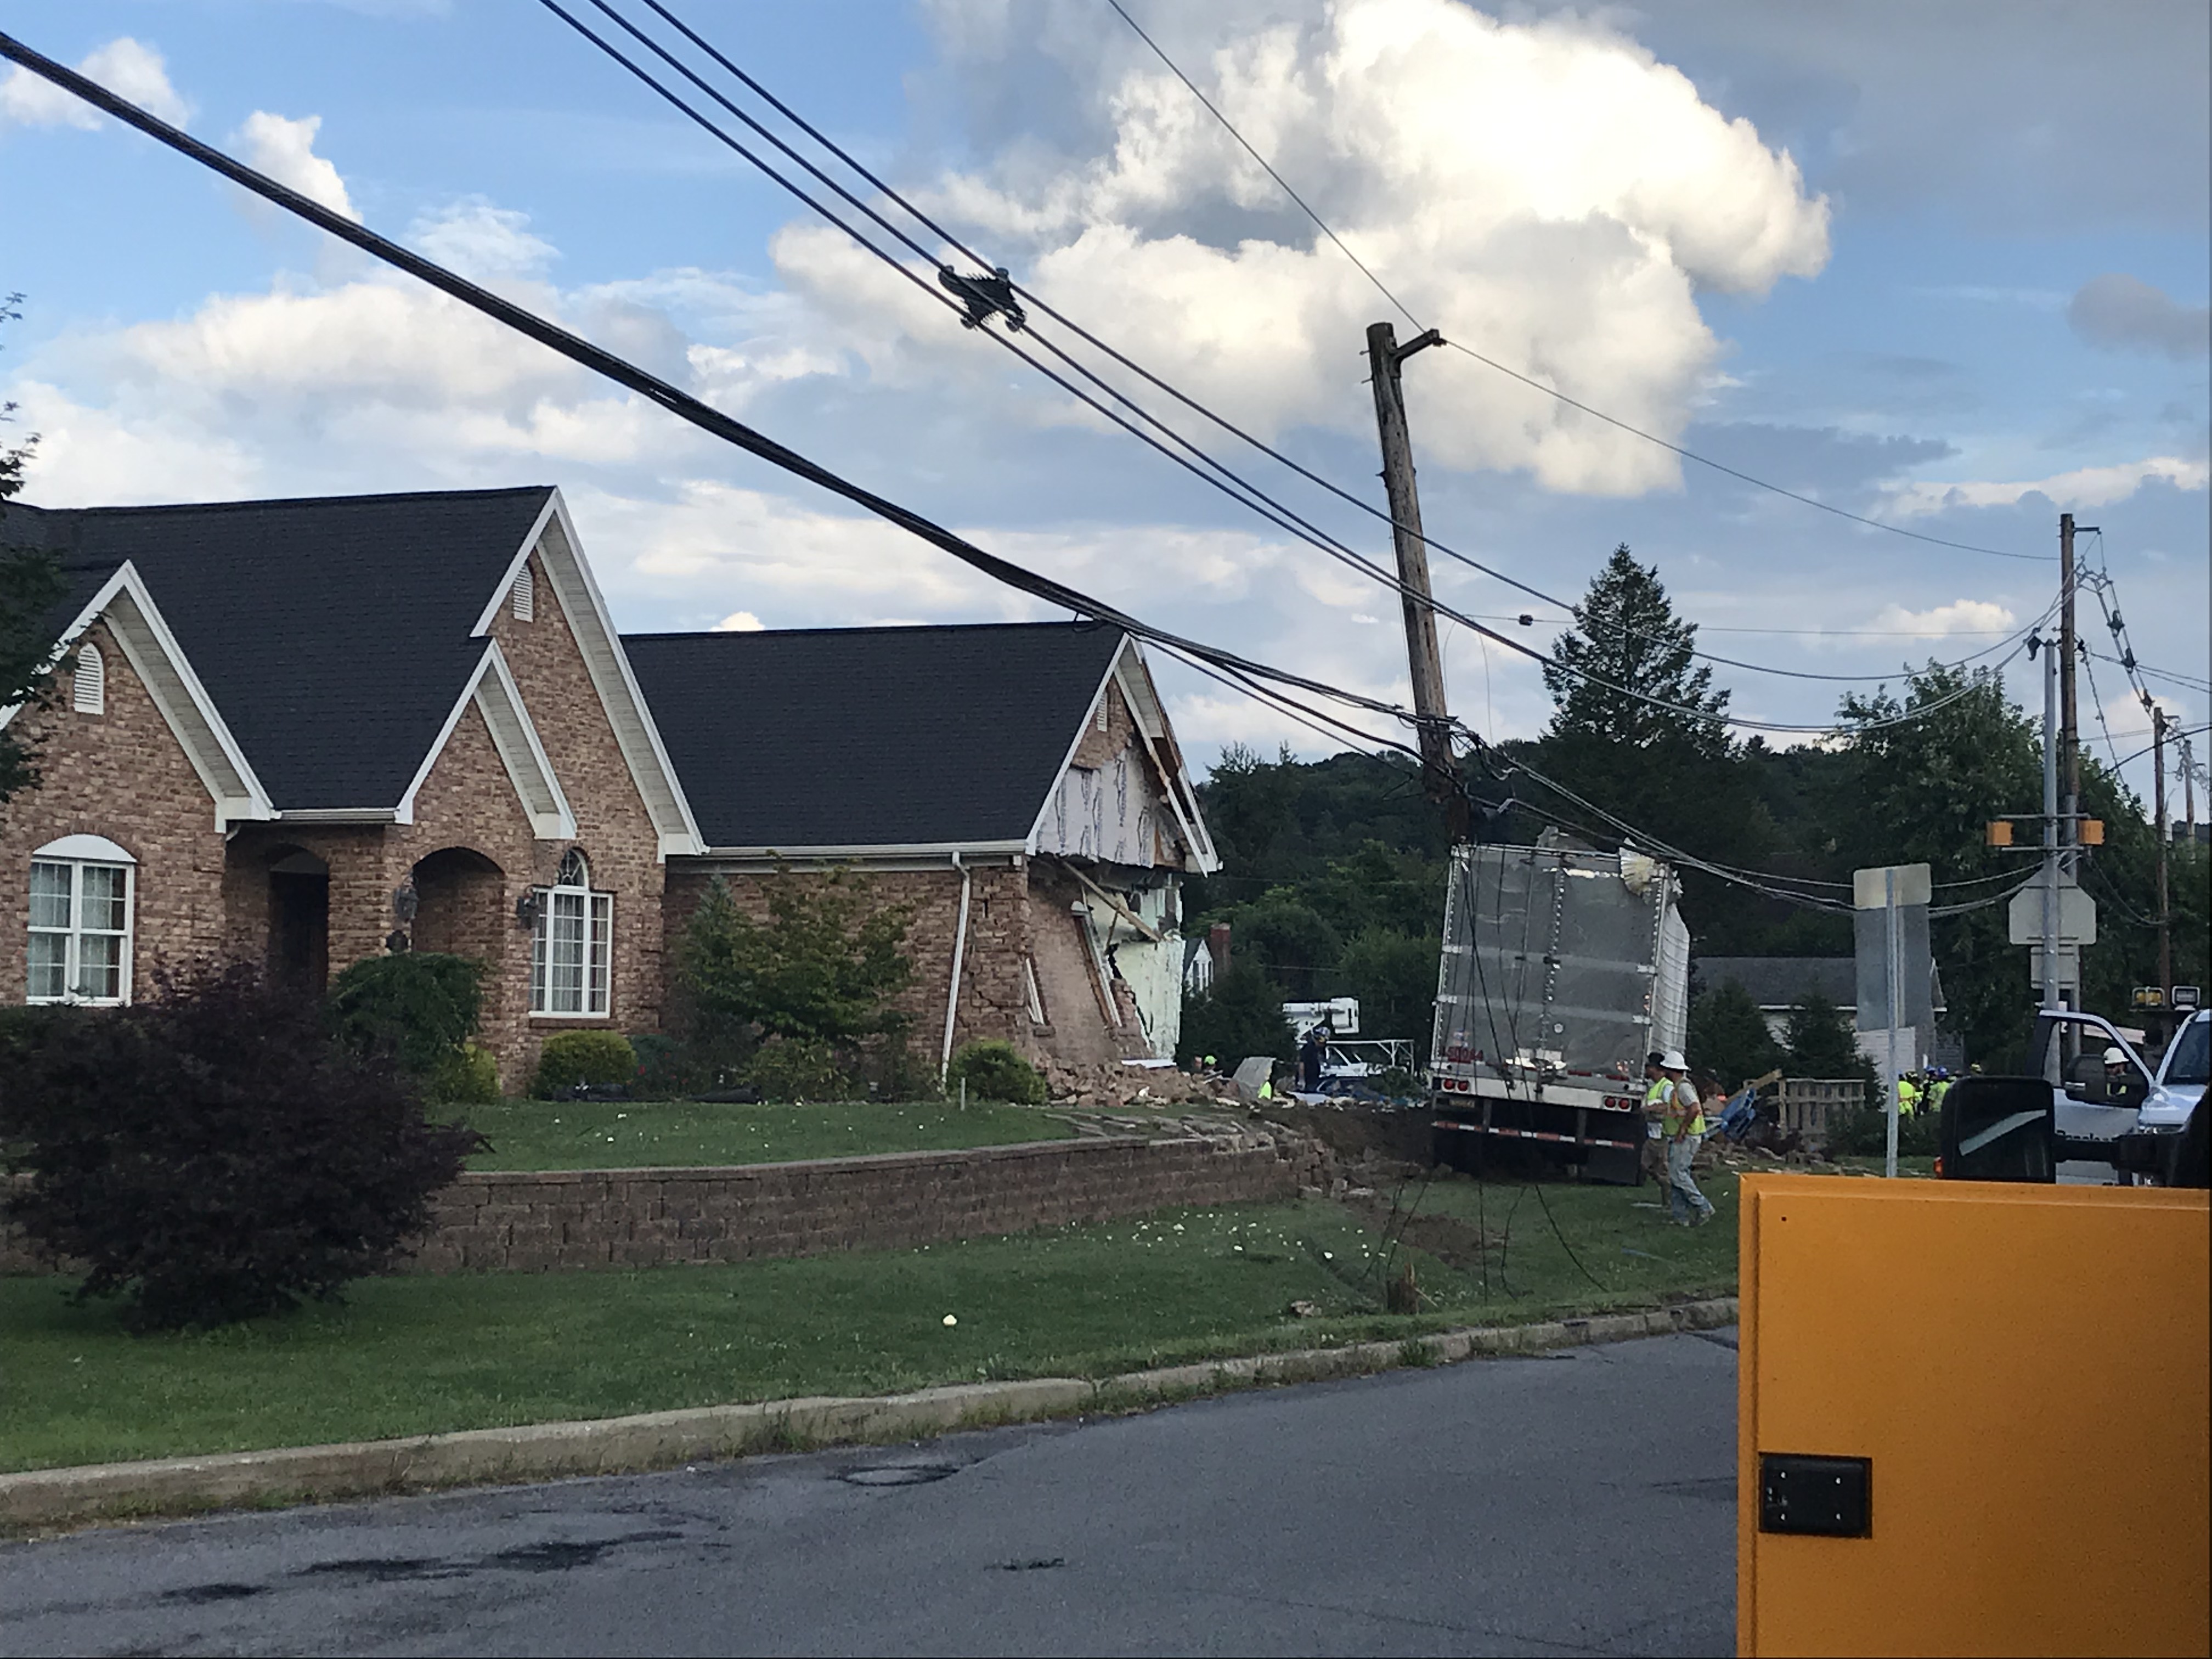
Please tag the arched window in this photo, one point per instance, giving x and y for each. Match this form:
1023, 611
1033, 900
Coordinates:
82, 887
526, 595
88, 689
572, 957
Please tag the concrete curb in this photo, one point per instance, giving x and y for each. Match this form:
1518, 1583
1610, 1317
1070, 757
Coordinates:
615, 1446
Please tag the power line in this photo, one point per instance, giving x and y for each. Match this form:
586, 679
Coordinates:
652, 387
1274, 510
1553, 392
1229, 483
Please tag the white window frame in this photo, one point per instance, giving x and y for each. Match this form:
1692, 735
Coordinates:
75, 855
572, 899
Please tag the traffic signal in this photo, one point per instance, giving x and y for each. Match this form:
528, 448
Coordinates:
2000, 832
2092, 833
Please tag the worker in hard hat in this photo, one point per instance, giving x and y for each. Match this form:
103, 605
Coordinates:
1908, 1095
2122, 1083
1682, 1125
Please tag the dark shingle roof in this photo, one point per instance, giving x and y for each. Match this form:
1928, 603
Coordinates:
332, 634
871, 737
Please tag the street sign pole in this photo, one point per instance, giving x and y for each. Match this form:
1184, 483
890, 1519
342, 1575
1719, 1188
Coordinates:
2050, 825
1894, 946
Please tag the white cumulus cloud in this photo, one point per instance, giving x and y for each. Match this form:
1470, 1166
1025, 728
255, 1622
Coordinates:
1545, 192
2087, 486
284, 149
1958, 617
739, 622
123, 66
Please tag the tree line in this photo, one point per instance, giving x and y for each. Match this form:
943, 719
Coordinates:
1332, 875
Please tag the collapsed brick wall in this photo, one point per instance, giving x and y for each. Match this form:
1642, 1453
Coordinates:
536, 1222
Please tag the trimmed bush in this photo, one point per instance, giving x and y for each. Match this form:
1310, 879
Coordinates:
796, 1070
666, 1069
995, 1070
467, 1077
212, 1153
415, 1009
571, 1058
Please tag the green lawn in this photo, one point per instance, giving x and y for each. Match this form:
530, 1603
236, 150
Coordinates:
413, 1355
627, 1135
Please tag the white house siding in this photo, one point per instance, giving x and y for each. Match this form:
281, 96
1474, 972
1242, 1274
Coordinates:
1108, 812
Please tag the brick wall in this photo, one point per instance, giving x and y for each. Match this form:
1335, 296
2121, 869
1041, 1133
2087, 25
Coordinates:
485, 856
534, 1222
612, 824
994, 1001
644, 1218
120, 774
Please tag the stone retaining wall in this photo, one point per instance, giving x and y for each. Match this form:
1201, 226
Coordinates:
534, 1221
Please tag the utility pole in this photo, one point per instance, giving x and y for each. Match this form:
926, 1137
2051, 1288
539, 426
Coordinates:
1440, 775
2069, 728
2188, 789
2049, 824
2164, 843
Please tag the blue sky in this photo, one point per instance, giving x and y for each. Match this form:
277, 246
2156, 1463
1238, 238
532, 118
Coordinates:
1861, 252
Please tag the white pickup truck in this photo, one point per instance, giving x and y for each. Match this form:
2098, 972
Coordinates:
2093, 1126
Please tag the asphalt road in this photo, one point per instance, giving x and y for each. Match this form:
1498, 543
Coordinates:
1582, 1503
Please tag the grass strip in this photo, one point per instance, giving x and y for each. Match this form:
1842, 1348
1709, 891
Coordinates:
418, 1355
602, 1135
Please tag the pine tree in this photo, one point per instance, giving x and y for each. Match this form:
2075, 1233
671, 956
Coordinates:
1626, 633
31, 586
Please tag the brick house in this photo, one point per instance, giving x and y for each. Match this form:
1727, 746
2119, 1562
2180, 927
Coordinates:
1018, 784
301, 732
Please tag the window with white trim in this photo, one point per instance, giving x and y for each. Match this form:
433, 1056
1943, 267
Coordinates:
88, 685
572, 955
82, 887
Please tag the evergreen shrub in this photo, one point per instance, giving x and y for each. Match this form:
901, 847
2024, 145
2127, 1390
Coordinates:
796, 1070
995, 1070
415, 1009
571, 1059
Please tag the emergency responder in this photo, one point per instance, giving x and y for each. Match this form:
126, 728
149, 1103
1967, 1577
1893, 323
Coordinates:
1908, 1095
1938, 1088
1655, 1138
1682, 1124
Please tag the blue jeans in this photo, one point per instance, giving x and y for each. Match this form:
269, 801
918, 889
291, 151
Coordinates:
1684, 1201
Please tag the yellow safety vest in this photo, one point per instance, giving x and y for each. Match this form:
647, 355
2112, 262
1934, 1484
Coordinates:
1673, 1111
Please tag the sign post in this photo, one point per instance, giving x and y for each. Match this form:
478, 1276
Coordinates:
1900, 892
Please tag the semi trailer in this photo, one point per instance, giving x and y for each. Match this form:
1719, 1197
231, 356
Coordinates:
1563, 968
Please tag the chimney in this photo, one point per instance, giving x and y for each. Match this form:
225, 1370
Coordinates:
1217, 946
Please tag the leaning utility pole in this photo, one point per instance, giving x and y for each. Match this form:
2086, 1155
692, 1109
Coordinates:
2050, 875
2069, 727
2164, 843
1439, 773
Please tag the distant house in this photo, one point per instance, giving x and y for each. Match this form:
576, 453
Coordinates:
301, 732
1777, 984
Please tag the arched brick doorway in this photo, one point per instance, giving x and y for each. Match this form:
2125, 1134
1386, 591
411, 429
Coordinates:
298, 946
461, 905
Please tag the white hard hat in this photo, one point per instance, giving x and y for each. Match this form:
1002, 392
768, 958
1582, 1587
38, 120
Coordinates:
2116, 1057
1672, 1061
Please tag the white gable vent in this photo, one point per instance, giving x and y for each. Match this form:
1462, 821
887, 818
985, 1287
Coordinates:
88, 692
526, 595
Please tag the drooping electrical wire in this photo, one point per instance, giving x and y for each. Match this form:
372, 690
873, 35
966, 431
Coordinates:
1273, 509
1229, 482
1550, 391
